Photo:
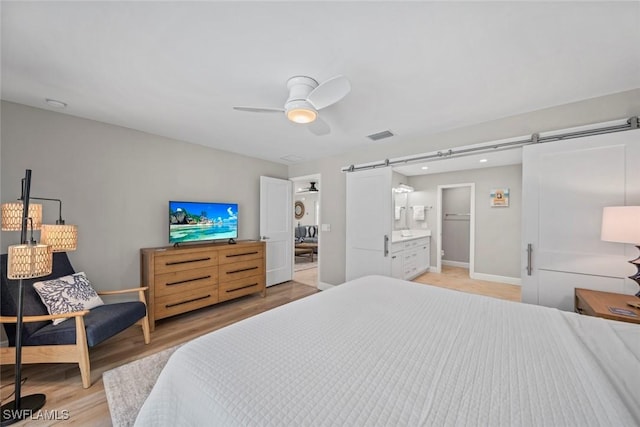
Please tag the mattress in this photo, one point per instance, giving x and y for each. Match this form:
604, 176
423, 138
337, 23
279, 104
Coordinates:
382, 351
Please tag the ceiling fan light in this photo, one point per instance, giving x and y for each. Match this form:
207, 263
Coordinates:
300, 111
302, 115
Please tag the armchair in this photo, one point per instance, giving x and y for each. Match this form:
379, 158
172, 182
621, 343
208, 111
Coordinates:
67, 342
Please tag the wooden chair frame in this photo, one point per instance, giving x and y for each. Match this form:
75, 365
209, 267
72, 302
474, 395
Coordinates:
71, 353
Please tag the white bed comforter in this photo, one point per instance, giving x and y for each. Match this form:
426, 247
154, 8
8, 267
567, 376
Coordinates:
381, 351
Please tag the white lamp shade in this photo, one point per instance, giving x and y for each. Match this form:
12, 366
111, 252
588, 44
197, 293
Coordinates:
29, 261
12, 216
61, 238
621, 224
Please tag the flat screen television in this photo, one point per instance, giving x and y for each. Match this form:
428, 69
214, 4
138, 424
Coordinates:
200, 221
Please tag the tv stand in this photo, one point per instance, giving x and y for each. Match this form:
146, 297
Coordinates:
232, 241
183, 278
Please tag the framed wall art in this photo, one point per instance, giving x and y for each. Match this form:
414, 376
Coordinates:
499, 197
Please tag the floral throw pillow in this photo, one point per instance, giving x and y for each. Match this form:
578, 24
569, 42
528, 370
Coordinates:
67, 294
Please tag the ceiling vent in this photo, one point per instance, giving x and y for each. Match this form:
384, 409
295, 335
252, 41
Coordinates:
380, 135
291, 158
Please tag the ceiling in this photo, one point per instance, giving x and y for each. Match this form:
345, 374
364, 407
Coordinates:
473, 161
176, 69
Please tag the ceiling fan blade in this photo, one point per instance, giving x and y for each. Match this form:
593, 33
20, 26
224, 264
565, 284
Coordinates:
259, 109
329, 92
319, 127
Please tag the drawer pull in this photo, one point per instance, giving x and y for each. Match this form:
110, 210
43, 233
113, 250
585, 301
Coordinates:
241, 270
242, 254
188, 280
241, 287
187, 301
187, 261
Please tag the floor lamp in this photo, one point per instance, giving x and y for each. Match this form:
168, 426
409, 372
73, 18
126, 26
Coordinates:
29, 260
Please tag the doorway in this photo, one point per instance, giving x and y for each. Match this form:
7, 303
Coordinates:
455, 243
306, 229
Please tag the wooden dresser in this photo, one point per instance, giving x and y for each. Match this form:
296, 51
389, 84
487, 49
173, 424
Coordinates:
190, 277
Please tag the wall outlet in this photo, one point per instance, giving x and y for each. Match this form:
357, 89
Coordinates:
325, 227
442, 252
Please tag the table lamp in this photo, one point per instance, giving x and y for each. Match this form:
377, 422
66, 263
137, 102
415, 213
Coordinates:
622, 224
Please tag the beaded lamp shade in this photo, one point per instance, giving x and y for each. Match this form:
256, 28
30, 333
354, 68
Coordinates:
29, 261
61, 238
12, 216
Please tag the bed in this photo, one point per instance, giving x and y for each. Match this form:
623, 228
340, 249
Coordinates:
382, 351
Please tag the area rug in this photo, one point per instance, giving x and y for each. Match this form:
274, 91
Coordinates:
304, 265
128, 386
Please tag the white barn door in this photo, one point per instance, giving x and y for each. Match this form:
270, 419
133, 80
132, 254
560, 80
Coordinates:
276, 228
565, 186
368, 238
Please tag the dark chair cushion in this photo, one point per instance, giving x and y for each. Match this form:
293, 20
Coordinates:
32, 304
100, 323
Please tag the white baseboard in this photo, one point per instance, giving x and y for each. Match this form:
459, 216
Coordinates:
324, 286
455, 264
499, 279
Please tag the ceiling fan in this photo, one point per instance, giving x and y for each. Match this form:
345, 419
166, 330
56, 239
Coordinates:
306, 97
310, 189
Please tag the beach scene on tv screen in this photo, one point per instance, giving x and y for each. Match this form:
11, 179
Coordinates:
194, 221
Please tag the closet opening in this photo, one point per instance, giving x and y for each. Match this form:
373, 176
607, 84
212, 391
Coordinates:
455, 217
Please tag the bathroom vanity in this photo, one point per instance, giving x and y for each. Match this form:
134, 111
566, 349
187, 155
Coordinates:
410, 253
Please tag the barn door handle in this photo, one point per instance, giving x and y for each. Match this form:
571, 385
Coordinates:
529, 255
386, 245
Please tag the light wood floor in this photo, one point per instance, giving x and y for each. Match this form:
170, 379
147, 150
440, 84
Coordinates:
307, 277
61, 382
458, 279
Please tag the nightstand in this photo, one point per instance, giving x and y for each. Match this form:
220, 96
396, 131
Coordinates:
597, 303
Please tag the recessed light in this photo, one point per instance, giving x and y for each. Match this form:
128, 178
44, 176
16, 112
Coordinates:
56, 104
424, 168
483, 160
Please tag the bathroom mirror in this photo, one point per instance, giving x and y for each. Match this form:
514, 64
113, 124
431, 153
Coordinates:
400, 207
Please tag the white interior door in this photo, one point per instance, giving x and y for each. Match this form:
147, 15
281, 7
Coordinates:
369, 223
276, 228
565, 186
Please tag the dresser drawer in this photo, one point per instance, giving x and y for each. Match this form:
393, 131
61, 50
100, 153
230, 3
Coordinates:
239, 270
185, 281
412, 244
240, 287
241, 253
173, 262
170, 305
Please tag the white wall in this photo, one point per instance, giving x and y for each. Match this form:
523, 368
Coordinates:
115, 184
332, 250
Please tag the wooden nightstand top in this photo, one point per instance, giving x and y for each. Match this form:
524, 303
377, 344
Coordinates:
597, 303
